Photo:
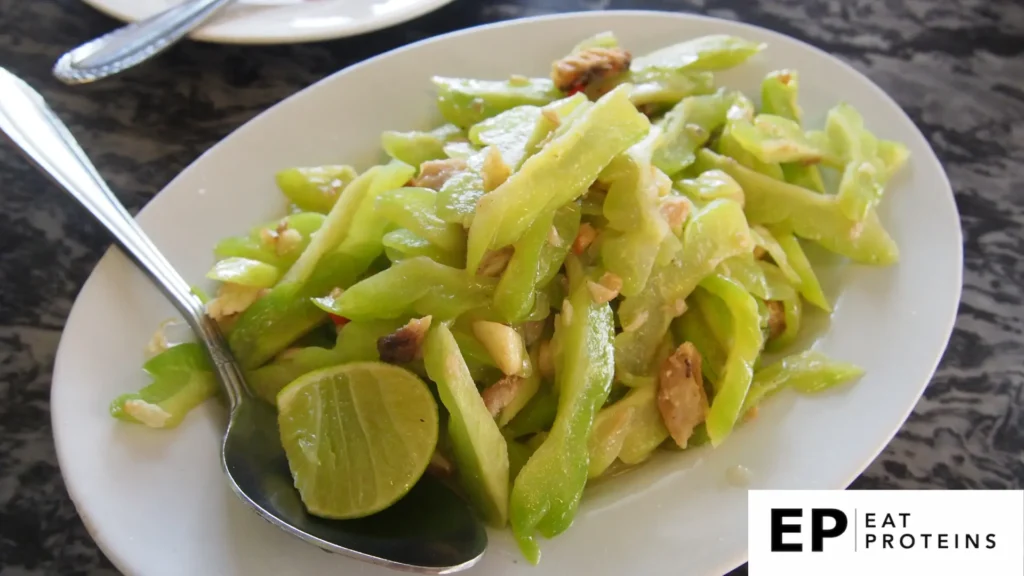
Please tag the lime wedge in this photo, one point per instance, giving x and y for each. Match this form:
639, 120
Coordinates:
357, 436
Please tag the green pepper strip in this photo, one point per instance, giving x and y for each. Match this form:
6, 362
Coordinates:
808, 286
402, 244
182, 379
466, 102
711, 185
714, 52
779, 91
861, 185
416, 286
516, 291
481, 453
244, 271
342, 249
668, 87
414, 209
774, 139
809, 215
764, 238
635, 231
515, 132
547, 492
729, 146
559, 173
646, 430
809, 371
415, 148
716, 232
315, 189
686, 128
726, 407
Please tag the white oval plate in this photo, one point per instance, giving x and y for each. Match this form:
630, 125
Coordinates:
283, 21
156, 501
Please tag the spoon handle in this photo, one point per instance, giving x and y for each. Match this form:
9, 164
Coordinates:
39, 133
134, 43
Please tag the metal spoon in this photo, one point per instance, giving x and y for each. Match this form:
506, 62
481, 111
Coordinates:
430, 531
135, 43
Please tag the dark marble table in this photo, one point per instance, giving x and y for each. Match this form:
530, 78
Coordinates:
956, 66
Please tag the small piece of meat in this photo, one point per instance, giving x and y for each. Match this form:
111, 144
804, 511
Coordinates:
682, 401
584, 238
494, 262
578, 71
498, 395
776, 318
760, 252
434, 173
403, 345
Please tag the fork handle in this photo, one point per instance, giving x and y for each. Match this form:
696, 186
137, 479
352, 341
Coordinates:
133, 44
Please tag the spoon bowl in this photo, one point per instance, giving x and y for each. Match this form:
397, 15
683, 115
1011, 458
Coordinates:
429, 531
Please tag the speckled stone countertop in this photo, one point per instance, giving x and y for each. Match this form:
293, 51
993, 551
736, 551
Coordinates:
956, 66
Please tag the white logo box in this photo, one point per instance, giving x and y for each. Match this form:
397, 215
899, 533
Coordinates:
934, 532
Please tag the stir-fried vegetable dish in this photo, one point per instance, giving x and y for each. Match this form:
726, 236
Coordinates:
567, 275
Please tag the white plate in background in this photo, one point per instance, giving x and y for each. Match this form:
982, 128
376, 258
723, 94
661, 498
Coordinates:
156, 501
283, 21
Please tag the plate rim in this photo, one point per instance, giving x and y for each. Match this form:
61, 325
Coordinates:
946, 194
316, 34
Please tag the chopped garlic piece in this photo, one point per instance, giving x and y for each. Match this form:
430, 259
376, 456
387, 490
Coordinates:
606, 289
149, 414
503, 343
288, 240
551, 116
158, 343
232, 299
495, 171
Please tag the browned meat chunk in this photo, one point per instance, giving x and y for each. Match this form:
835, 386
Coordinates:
434, 173
682, 401
589, 67
498, 395
403, 345
776, 318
